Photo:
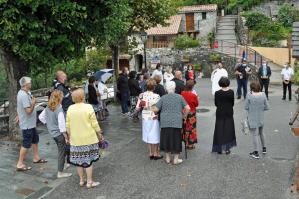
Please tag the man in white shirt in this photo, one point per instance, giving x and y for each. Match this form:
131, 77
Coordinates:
287, 74
216, 76
158, 72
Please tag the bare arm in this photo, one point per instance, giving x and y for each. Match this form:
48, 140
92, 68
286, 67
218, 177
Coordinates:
30, 109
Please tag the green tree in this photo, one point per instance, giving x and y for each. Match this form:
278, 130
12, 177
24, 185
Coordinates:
37, 34
264, 31
287, 15
245, 4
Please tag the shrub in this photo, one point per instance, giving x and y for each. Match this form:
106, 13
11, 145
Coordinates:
184, 41
215, 57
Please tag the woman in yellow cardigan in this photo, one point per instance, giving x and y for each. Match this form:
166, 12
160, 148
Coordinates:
84, 133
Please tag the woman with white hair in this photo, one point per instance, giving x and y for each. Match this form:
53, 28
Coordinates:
168, 76
173, 108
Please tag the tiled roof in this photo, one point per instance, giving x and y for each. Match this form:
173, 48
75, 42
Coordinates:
194, 8
171, 29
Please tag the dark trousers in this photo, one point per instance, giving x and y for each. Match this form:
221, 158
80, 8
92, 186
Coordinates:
265, 85
242, 84
60, 141
124, 101
285, 86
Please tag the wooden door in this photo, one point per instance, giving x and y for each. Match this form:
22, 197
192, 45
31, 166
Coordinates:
190, 22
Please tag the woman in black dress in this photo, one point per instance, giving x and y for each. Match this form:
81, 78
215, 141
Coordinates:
224, 134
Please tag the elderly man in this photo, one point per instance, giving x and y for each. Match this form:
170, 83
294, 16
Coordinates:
60, 84
27, 122
287, 74
264, 74
178, 79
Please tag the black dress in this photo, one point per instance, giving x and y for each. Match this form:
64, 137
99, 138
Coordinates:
224, 133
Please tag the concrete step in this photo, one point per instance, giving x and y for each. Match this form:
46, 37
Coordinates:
226, 24
225, 32
226, 37
227, 20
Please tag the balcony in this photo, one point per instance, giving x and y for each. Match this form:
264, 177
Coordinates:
160, 44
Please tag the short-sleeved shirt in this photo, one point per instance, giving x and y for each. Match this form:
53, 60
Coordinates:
287, 73
24, 100
171, 106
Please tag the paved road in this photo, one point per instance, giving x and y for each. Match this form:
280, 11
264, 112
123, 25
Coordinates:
126, 171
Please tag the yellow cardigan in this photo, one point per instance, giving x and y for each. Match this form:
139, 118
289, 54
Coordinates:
82, 125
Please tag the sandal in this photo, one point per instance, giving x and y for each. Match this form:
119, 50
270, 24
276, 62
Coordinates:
24, 168
91, 185
82, 183
40, 161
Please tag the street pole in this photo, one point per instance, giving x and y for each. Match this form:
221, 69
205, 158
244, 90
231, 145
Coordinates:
290, 48
144, 49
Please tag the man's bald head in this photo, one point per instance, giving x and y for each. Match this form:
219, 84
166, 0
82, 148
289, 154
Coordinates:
61, 76
178, 74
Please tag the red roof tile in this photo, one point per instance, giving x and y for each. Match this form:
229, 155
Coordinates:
171, 29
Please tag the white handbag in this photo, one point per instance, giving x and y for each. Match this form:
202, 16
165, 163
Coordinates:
245, 126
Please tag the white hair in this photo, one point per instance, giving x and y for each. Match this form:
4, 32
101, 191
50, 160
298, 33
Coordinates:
170, 87
24, 80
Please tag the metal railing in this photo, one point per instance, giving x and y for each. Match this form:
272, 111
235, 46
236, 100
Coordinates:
253, 58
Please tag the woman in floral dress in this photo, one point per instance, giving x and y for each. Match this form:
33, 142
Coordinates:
189, 125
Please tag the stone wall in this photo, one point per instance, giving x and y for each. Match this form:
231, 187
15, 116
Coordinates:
271, 8
176, 58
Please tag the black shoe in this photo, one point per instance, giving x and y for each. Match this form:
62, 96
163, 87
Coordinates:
151, 157
158, 157
239, 97
227, 152
254, 155
264, 150
219, 152
283, 98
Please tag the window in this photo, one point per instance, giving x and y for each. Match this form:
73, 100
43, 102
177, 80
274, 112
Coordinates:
204, 15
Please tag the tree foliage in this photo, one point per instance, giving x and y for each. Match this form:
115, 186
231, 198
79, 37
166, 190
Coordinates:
287, 15
264, 31
45, 32
244, 4
184, 41
149, 13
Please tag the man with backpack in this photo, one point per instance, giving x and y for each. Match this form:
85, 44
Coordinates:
60, 84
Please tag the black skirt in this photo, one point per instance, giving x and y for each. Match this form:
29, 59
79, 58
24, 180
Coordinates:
171, 140
224, 134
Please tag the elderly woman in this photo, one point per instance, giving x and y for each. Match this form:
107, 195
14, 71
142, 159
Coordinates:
172, 109
189, 125
159, 89
84, 133
150, 122
168, 76
256, 104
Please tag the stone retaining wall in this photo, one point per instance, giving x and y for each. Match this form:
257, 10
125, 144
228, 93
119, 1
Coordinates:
176, 58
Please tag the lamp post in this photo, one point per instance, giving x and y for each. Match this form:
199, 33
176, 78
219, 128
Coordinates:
144, 39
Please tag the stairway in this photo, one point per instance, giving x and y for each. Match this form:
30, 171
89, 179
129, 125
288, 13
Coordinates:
226, 29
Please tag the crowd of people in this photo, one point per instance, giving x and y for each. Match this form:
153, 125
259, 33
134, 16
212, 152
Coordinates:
166, 103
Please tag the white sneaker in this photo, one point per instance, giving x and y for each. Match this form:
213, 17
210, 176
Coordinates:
177, 161
66, 166
63, 175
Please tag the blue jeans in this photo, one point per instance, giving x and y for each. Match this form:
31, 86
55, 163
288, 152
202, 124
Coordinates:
124, 102
242, 83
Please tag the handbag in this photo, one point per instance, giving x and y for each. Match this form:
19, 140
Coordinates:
245, 126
